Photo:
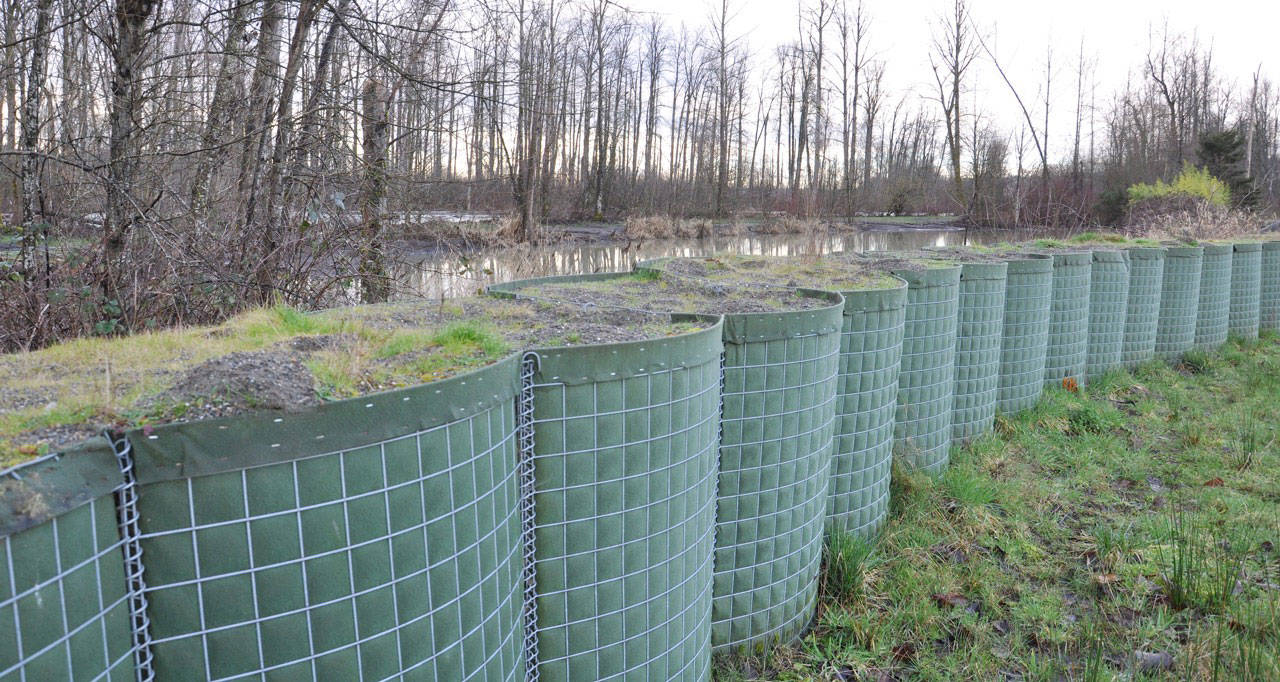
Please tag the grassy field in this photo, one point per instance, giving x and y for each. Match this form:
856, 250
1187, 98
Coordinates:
1126, 532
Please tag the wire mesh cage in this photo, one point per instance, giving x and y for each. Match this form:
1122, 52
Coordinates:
979, 330
1142, 314
625, 450
926, 382
1108, 303
1067, 351
365, 539
1215, 297
65, 599
1179, 301
1246, 290
1025, 336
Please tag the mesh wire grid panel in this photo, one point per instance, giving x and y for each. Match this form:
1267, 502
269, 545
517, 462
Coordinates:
1246, 283
866, 399
1179, 301
1142, 315
1215, 297
625, 457
1269, 289
979, 328
926, 382
1028, 295
1068, 348
780, 381
369, 539
1108, 301
64, 599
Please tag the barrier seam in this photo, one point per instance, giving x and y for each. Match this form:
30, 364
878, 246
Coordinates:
127, 516
528, 525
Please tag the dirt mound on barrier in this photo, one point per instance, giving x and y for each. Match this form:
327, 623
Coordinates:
264, 380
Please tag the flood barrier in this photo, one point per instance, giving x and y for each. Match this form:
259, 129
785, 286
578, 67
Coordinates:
604, 512
926, 382
979, 330
1068, 348
1025, 338
1142, 315
1108, 305
1246, 290
1179, 301
1215, 297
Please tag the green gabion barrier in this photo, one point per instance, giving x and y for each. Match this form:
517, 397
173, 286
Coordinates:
1142, 315
1179, 301
1215, 297
625, 450
1269, 290
1068, 348
1246, 284
367, 539
926, 382
64, 599
866, 399
781, 374
1028, 295
1108, 303
979, 328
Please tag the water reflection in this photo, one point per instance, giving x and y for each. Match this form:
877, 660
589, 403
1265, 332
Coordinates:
440, 274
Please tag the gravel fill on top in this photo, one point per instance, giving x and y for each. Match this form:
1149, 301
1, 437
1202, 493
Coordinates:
671, 293
809, 273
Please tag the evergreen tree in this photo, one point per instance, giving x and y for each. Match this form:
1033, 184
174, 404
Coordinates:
1222, 153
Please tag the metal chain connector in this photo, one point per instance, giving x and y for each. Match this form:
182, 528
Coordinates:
525, 468
127, 516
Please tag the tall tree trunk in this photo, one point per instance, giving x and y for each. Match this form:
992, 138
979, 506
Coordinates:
374, 282
218, 119
31, 186
122, 166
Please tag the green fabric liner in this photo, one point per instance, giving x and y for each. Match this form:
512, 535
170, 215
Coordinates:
1032, 264
931, 277
201, 448
983, 271
740, 328
37, 491
1247, 247
575, 365
875, 300
1109, 257
1146, 253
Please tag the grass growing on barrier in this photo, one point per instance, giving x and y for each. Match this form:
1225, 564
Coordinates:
1125, 532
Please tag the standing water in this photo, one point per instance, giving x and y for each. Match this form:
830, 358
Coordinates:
446, 274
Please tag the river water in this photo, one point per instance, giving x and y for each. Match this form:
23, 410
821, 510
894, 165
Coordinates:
443, 274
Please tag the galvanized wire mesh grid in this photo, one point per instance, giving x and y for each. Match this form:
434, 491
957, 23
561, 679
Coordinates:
1142, 315
1028, 295
1269, 290
1179, 301
1068, 348
775, 456
625, 500
1213, 314
979, 328
1246, 283
867, 397
1108, 301
926, 383
64, 604
400, 557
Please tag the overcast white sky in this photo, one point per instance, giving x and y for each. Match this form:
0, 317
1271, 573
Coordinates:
1245, 34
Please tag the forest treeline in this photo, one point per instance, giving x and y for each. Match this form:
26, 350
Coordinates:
168, 162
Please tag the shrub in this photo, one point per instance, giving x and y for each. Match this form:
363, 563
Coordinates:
1192, 183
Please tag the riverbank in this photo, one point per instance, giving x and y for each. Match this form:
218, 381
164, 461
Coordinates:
1126, 532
